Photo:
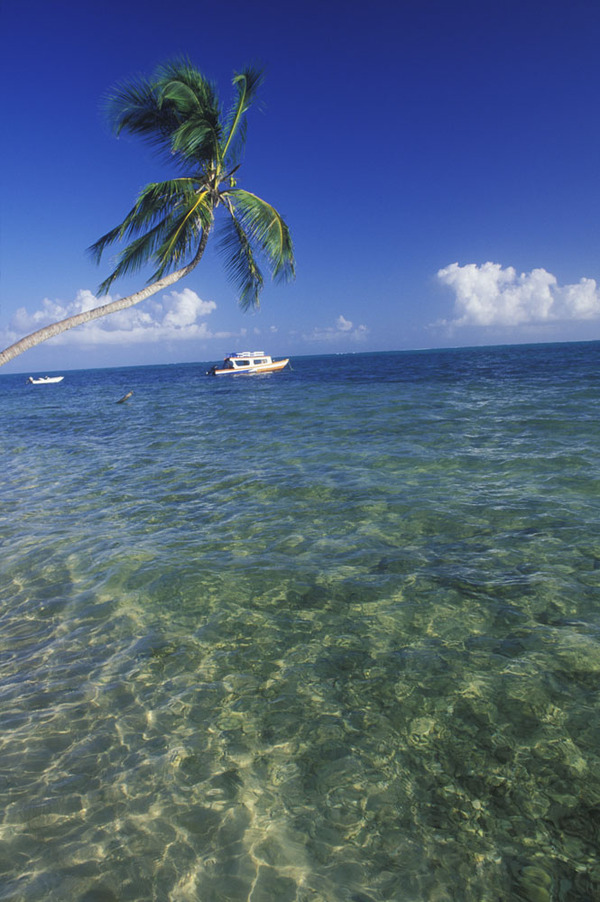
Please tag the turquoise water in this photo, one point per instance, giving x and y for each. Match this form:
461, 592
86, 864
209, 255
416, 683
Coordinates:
331, 635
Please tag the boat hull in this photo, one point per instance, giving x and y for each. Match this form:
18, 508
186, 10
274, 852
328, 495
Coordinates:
272, 367
46, 380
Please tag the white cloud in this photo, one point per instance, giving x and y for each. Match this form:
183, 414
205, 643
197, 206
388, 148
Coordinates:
343, 324
175, 316
489, 295
184, 307
343, 328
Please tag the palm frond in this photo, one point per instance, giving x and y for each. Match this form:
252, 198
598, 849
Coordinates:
183, 233
157, 197
196, 139
177, 249
168, 231
153, 204
265, 227
134, 108
181, 82
194, 101
246, 85
167, 244
134, 256
239, 261
157, 108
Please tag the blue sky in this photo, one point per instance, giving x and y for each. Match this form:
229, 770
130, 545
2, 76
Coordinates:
437, 163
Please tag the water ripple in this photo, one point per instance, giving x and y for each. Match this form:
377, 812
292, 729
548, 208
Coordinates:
322, 636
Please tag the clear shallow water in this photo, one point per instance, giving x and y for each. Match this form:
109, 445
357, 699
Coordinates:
327, 635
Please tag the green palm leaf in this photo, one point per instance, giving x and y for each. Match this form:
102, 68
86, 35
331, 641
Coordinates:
265, 228
134, 108
240, 263
133, 257
176, 110
183, 233
156, 204
246, 84
179, 81
152, 204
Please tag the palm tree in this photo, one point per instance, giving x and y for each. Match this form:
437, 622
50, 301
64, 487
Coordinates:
177, 110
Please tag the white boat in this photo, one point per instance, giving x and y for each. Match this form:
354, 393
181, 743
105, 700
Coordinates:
249, 363
45, 380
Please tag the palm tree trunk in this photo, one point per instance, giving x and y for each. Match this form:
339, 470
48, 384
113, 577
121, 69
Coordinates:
36, 338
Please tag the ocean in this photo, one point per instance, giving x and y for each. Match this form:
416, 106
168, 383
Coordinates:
329, 635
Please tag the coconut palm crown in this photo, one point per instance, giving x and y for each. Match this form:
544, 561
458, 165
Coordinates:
178, 112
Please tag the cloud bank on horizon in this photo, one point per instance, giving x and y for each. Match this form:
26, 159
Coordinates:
342, 328
489, 295
486, 296
179, 315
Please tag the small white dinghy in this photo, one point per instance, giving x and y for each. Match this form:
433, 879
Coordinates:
45, 380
